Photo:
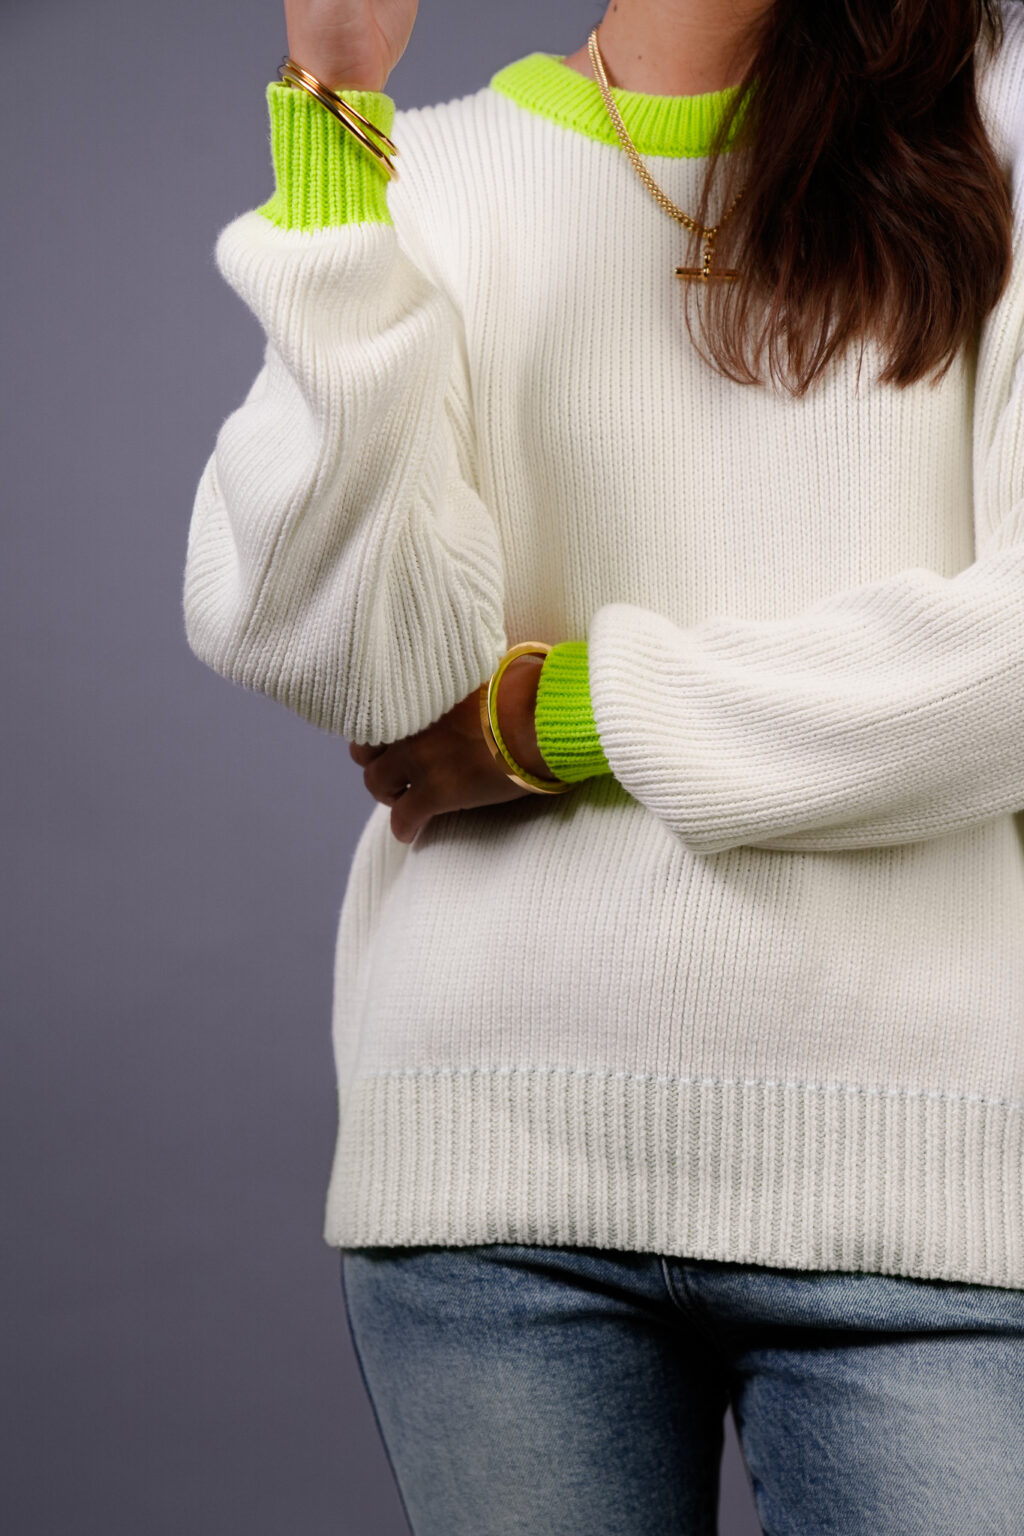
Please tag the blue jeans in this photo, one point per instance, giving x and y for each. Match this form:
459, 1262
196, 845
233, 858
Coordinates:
582, 1392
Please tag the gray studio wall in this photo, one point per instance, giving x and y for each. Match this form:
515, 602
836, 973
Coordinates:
176, 1358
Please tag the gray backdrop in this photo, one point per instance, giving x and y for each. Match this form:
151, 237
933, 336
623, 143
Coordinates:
176, 1357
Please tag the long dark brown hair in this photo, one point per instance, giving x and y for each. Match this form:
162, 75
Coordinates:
873, 204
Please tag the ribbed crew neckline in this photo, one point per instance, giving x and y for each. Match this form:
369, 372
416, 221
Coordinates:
658, 125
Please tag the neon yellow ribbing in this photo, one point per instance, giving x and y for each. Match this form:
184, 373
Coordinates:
658, 125
323, 175
563, 717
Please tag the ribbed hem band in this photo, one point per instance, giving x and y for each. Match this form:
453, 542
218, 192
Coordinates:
759, 1173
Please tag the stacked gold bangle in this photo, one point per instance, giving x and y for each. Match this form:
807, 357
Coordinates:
492, 733
293, 74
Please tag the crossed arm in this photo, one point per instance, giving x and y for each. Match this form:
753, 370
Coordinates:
447, 766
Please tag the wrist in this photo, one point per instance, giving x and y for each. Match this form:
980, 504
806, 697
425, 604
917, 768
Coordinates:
335, 74
517, 701
347, 83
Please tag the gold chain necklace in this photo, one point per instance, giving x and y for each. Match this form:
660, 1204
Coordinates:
702, 273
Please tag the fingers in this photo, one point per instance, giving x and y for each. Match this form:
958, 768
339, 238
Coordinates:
406, 784
387, 775
362, 754
410, 813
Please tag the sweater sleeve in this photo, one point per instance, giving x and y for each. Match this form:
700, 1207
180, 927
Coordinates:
886, 713
339, 557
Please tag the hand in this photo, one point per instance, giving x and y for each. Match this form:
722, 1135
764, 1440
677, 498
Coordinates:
349, 44
448, 765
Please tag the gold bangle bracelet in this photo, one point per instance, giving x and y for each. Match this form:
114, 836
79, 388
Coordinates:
492, 732
293, 74
341, 110
290, 63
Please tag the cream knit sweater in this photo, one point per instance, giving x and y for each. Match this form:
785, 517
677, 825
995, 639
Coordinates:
754, 989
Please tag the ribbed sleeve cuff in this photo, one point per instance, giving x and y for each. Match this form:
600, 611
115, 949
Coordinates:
563, 718
324, 176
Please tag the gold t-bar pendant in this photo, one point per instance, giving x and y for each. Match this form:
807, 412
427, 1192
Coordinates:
704, 273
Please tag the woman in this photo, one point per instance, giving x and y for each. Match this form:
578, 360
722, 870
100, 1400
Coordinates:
679, 990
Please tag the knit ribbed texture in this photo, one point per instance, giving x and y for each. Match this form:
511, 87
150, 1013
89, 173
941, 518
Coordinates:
657, 125
563, 716
323, 175
835, 1178
757, 993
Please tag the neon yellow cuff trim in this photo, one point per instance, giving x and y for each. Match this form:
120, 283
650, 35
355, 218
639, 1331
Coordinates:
563, 717
324, 176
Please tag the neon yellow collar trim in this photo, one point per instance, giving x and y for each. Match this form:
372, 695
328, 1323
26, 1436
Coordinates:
658, 125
